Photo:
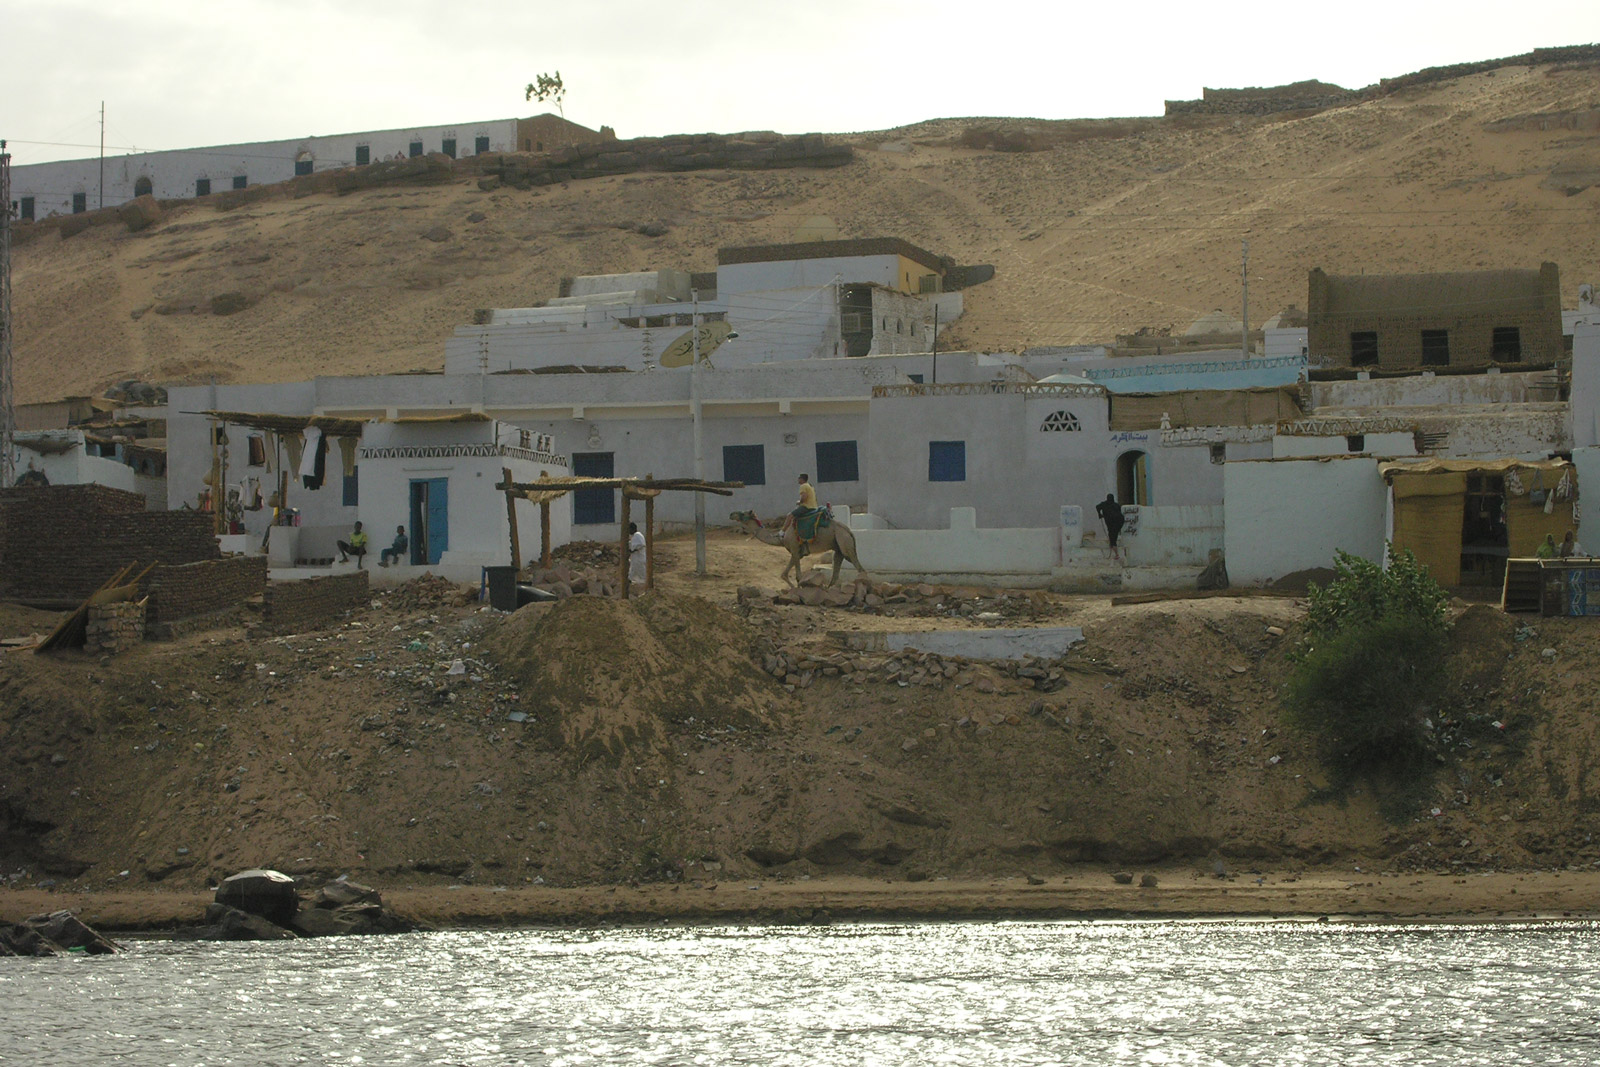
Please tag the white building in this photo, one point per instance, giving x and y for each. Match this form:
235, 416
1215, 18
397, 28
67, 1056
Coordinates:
73, 186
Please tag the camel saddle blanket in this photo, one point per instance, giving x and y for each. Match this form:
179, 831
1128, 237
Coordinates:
807, 525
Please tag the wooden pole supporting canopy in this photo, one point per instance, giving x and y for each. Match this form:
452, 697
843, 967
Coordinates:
546, 490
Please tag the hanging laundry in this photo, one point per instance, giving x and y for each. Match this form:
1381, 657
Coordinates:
1564, 487
1514, 483
314, 460
347, 449
296, 445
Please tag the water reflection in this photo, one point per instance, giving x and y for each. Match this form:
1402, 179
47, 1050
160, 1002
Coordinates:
979, 993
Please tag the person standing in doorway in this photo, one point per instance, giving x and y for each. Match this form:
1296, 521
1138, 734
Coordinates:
1110, 513
635, 554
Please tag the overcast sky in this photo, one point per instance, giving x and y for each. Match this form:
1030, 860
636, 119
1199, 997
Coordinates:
188, 74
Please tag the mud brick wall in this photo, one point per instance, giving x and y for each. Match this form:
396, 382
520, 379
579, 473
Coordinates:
191, 589
62, 542
114, 628
314, 602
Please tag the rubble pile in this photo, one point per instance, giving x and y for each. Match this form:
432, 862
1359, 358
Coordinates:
798, 668
55, 934
428, 592
919, 599
566, 579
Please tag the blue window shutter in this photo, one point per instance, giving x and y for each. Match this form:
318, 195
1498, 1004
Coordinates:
837, 462
352, 489
593, 507
947, 461
744, 463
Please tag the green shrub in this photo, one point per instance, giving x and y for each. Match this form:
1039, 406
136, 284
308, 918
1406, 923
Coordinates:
1373, 664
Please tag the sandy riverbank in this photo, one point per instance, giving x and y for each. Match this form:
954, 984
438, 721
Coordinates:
1180, 894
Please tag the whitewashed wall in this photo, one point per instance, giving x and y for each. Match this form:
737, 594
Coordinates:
172, 174
1290, 515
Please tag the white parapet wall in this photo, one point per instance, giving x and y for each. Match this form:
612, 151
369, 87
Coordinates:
1288, 515
1165, 548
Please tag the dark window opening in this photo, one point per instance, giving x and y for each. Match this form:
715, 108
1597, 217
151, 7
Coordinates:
1485, 540
592, 507
744, 463
480, 145
915, 378
1364, 348
363, 154
1506, 346
947, 461
1355, 442
27, 208
538, 146
352, 488
1435, 348
1219, 453
415, 149
836, 462
240, 181
302, 167
80, 203
142, 186
202, 187
448, 147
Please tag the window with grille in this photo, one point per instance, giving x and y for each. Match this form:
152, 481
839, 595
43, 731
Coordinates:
480, 145
202, 187
947, 461
1435, 348
836, 462
744, 463
80, 203
241, 181
448, 147
302, 167
1060, 422
27, 208
1364, 348
1506, 347
415, 149
363, 154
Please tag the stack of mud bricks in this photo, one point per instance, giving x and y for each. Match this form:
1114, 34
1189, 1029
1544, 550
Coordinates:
212, 585
62, 542
313, 602
114, 628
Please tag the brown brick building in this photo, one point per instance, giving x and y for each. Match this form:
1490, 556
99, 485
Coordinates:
1462, 319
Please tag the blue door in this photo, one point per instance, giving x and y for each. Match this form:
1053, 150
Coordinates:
430, 519
591, 507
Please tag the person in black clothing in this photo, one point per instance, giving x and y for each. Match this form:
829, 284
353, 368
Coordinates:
1110, 513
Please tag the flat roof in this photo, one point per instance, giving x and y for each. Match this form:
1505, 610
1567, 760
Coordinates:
864, 246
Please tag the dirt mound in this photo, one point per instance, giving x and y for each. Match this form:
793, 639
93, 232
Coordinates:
1299, 581
1481, 641
605, 677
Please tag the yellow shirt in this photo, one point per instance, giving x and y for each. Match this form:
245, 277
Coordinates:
808, 495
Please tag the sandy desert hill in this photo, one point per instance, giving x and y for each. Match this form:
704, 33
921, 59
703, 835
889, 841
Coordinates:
1105, 228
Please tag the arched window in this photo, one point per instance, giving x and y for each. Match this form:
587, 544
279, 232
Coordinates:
142, 186
1060, 422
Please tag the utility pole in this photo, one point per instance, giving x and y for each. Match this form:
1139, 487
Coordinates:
935, 345
102, 153
8, 408
1244, 275
699, 450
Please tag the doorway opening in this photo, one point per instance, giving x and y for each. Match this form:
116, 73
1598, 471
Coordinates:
430, 520
1133, 479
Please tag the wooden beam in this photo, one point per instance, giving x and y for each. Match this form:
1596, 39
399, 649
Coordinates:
624, 528
544, 534
650, 541
511, 518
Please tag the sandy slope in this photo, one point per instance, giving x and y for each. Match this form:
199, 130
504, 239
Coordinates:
1090, 238
657, 753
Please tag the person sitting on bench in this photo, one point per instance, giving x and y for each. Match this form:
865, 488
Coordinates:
356, 546
393, 553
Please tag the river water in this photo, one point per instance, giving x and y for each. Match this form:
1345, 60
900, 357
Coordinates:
959, 993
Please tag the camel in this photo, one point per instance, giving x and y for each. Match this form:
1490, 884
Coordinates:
834, 537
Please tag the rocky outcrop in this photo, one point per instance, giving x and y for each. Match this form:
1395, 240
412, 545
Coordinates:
263, 905
52, 935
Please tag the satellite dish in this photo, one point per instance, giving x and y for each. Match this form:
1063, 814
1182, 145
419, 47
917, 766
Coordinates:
681, 352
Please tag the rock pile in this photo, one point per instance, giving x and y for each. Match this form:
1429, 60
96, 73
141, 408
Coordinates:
264, 905
798, 668
564, 579
54, 934
114, 628
919, 598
